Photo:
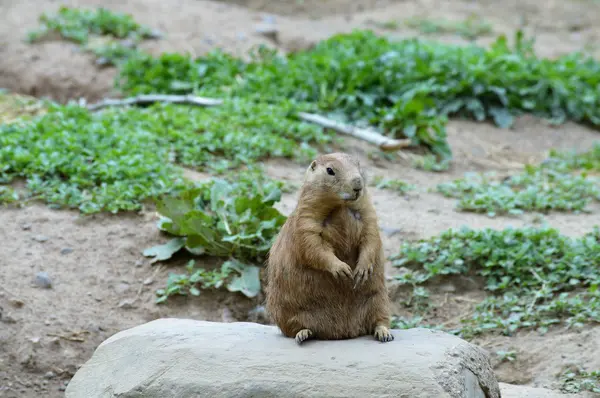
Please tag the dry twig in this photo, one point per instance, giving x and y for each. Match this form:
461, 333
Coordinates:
384, 143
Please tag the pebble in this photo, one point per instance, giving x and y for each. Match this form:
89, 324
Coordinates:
42, 279
269, 19
139, 263
40, 238
270, 32
122, 287
126, 304
66, 250
49, 375
26, 227
391, 231
16, 302
148, 281
8, 318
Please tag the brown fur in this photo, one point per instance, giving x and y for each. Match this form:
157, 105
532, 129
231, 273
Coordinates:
325, 268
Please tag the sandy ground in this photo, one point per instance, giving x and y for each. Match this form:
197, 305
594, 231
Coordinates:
102, 283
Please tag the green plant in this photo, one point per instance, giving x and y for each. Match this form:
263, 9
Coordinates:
577, 380
115, 159
78, 24
506, 356
562, 182
399, 186
245, 279
406, 88
470, 28
231, 218
535, 277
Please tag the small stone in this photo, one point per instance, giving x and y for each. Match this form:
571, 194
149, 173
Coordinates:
66, 250
391, 231
40, 238
122, 287
139, 263
42, 279
269, 19
16, 303
8, 318
35, 340
26, 226
62, 388
126, 304
268, 31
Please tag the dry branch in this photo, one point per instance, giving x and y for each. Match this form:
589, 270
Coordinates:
151, 98
370, 136
384, 143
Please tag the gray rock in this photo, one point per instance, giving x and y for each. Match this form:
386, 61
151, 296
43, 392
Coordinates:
186, 358
42, 279
40, 238
512, 391
66, 250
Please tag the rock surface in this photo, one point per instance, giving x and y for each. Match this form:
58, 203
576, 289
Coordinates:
512, 391
187, 358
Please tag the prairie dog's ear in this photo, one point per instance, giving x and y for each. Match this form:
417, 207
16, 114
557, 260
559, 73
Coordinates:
313, 165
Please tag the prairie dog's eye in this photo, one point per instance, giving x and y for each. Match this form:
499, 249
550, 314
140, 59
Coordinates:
330, 171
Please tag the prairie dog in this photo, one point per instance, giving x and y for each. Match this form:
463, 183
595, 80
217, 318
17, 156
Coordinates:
325, 269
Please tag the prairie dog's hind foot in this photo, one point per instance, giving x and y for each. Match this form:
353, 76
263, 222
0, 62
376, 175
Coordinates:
303, 335
383, 334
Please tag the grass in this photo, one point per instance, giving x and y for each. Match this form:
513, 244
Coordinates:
115, 160
535, 277
564, 182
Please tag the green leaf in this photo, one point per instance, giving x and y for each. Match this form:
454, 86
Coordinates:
165, 251
247, 283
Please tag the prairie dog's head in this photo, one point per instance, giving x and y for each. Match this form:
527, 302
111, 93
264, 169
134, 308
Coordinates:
337, 174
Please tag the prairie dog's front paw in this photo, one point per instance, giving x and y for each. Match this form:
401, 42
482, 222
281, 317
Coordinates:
362, 273
341, 270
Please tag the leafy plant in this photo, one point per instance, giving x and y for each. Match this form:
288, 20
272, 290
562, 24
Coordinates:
536, 277
225, 218
245, 279
470, 28
506, 356
399, 186
77, 25
406, 88
231, 219
559, 183
576, 380
116, 159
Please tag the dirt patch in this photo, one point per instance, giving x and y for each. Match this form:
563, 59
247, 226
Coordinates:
102, 284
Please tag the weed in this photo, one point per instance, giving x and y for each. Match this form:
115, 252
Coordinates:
577, 380
536, 277
562, 182
229, 218
398, 186
115, 159
78, 24
406, 88
470, 28
245, 279
506, 356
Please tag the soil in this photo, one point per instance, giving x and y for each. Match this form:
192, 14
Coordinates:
102, 284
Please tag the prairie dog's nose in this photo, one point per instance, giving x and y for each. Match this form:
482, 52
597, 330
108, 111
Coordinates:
357, 184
